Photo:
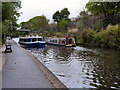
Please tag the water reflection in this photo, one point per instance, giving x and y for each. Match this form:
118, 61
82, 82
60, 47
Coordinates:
81, 67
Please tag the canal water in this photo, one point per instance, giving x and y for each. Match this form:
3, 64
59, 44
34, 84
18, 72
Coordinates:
80, 67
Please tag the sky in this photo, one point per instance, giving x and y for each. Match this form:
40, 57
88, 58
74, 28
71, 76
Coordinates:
32, 8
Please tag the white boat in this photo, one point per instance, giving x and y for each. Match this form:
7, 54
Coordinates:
32, 41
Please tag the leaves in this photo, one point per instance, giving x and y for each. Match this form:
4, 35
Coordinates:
63, 24
10, 10
64, 14
37, 23
9, 18
58, 16
110, 10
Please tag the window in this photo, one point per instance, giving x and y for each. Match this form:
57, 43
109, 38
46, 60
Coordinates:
25, 40
29, 40
39, 39
34, 39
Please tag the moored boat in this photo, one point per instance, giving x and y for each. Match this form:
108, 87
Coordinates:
32, 41
60, 41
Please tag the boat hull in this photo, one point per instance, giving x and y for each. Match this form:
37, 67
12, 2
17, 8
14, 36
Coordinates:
60, 42
38, 44
68, 45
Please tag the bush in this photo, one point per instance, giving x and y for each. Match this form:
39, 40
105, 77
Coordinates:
58, 34
109, 38
101, 39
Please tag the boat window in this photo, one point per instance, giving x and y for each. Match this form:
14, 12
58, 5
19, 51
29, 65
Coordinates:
29, 40
55, 41
39, 39
20, 39
34, 39
25, 40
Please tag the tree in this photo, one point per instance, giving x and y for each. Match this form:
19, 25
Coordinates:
24, 25
10, 11
84, 14
85, 17
38, 23
63, 24
58, 16
65, 14
9, 17
110, 10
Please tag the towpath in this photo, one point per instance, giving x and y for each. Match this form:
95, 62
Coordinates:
20, 71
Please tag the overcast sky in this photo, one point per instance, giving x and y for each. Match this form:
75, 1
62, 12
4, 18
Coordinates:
32, 8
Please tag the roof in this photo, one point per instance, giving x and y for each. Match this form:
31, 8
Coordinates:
54, 37
31, 37
24, 30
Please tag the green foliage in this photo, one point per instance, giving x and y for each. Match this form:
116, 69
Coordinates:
84, 14
22, 34
4, 28
109, 9
59, 34
58, 16
64, 14
101, 38
108, 38
83, 23
114, 30
97, 26
36, 23
63, 24
103, 7
9, 18
24, 25
94, 7
10, 10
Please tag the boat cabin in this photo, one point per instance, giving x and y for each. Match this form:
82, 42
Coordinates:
60, 41
32, 41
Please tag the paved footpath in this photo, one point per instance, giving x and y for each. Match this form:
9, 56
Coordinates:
20, 71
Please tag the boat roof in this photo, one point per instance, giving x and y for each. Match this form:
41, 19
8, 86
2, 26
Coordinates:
32, 37
24, 30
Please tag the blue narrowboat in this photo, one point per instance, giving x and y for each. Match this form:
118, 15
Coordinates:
32, 41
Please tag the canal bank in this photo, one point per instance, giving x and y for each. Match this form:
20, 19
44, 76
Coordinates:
2, 57
23, 70
2, 62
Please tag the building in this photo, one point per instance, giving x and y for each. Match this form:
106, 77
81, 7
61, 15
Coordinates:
23, 32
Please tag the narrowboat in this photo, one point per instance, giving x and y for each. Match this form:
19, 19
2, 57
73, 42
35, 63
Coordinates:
60, 41
32, 41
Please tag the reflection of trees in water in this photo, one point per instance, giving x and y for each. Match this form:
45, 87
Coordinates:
56, 53
101, 69
107, 73
86, 61
65, 52
106, 70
